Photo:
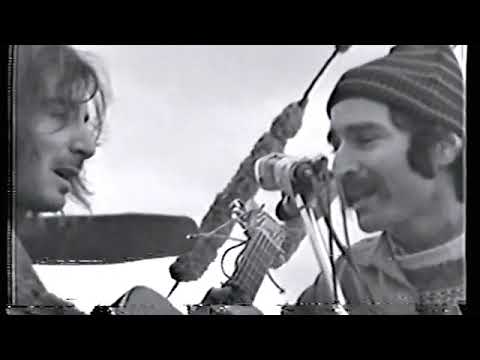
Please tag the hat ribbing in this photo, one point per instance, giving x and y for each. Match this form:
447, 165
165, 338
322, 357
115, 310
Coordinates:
424, 81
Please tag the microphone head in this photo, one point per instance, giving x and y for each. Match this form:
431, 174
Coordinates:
274, 171
264, 172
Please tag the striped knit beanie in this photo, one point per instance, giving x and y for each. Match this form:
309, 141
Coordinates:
423, 81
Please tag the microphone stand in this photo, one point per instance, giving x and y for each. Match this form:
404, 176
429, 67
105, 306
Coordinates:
319, 245
320, 250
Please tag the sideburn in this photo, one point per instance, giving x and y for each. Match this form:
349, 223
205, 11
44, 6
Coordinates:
419, 155
25, 146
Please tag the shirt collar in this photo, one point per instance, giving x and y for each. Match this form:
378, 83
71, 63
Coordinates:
379, 248
377, 253
450, 251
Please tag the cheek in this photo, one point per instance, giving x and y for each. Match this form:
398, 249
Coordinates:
405, 189
391, 166
28, 149
32, 154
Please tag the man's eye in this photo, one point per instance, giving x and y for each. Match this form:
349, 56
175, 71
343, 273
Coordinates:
58, 112
52, 123
365, 140
93, 126
59, 115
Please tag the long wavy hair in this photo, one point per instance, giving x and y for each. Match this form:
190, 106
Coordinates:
82, 79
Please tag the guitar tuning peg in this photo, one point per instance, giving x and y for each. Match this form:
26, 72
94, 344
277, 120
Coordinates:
236, 204
238, 216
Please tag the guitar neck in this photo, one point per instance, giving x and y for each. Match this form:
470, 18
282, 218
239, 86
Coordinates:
254, 265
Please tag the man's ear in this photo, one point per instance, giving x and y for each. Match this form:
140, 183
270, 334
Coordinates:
447, 150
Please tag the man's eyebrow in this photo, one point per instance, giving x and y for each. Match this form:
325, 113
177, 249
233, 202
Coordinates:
363, 127
53, 101
334, 139
57, 101
354, 128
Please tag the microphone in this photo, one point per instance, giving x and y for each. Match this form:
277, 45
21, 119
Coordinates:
280, 172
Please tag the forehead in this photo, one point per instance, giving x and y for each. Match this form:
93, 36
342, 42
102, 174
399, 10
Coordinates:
356, 112
60, 87
50, 93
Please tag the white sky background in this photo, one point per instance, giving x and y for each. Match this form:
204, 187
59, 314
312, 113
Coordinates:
183, 119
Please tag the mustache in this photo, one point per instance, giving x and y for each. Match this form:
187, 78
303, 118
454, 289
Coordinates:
354, 187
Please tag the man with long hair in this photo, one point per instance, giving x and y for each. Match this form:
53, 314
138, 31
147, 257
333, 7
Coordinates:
61, 103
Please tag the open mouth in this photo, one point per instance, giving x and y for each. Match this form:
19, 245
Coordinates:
358, 190
67, 173
354, 199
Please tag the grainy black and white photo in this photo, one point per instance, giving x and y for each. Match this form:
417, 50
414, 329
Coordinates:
238, 180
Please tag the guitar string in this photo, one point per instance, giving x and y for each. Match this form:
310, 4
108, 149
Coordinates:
255, 250
259, 264
263, 243
269, 262
251, 233
260, 247
252, 279
246, 265
210, 234
269, 259
273, 254
222, 261
237, 276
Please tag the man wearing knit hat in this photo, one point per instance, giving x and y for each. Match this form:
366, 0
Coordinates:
397, 125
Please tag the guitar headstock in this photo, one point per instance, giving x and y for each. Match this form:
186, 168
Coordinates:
254, 219
265, 237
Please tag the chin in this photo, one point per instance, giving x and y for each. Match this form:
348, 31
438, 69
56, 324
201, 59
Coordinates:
369, 225
368, 228
51, 204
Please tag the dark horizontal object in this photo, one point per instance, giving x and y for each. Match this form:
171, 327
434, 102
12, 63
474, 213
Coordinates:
106, 239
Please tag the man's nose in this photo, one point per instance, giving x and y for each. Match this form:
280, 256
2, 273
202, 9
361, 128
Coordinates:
84, 143
345, 163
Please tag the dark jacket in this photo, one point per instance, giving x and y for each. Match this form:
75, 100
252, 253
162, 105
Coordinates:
31, 296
